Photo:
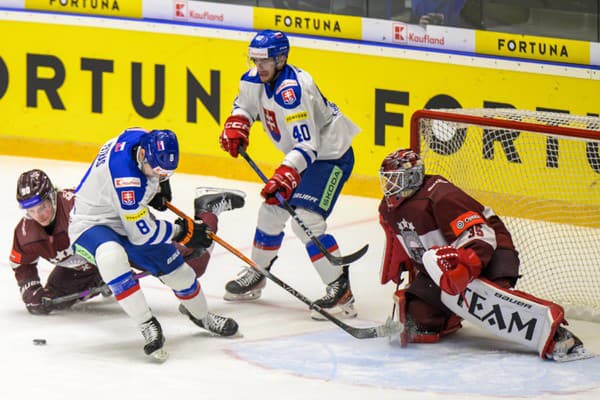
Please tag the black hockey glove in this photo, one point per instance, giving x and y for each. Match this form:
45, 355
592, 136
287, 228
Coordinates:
193, 235
160, 199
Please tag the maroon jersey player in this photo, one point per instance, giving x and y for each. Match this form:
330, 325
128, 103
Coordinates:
42, 233
423, 212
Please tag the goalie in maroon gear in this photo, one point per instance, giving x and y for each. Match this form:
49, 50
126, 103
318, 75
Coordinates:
421, 212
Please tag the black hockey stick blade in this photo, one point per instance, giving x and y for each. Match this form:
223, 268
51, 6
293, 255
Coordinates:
343, 260
348, 259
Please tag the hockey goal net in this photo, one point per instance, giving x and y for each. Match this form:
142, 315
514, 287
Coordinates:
539, 171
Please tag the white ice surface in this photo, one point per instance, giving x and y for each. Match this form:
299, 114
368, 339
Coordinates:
94, 351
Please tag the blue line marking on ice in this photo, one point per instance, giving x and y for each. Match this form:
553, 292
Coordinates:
457, 365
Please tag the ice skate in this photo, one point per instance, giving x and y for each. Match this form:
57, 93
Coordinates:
153, 336
339, 300
214, 323
248, 286
567, 347
216, 200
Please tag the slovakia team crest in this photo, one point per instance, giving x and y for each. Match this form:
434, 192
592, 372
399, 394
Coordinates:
288, 96
127, 197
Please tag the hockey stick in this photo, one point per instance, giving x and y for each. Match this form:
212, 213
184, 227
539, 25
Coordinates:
344, 260
86, 294
388, 329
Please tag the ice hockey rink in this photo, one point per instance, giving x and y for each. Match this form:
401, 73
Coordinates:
94, 351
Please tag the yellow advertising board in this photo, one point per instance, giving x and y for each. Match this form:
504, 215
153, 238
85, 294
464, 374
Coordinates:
108, 8
307, 23
69, 96
532, 47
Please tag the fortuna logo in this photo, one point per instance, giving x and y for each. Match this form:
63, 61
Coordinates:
494, 316
308, 23
533, 48
112, 5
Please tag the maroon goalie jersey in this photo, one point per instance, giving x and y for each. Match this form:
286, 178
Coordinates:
31, 241
440, 214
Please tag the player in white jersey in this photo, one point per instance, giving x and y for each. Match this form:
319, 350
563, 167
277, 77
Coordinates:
112, 224
315, 138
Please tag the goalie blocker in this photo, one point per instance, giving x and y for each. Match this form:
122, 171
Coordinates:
510, 314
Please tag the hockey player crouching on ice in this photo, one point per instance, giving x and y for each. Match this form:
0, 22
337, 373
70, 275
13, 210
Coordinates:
462, 264
42, 233
315, 138
111, 224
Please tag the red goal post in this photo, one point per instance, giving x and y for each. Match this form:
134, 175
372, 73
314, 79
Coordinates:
540, 171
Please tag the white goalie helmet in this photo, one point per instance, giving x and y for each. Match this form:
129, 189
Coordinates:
401, 174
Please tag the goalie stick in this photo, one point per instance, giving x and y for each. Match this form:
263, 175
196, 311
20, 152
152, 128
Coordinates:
388, 329
86, 294
344, 260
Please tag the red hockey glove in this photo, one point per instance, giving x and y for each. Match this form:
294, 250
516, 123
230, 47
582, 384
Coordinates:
284, 181
459, 267
235, 134
33, 295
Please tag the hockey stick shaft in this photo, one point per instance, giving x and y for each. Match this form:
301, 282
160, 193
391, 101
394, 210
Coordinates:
360, 333
83, 295
344, 260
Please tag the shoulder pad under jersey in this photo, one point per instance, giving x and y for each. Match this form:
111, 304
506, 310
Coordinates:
288, 92
251, 76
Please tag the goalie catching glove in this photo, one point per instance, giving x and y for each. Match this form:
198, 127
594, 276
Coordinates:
284, 181
458, 266
236, 133
192, 234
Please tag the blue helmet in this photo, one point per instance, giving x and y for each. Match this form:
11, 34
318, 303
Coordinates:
162, 151
269, 43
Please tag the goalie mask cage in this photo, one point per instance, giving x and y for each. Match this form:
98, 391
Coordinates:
540, 172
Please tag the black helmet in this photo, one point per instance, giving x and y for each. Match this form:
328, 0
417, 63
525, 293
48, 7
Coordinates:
33, 187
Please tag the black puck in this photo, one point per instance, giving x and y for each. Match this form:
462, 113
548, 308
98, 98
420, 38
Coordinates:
39, 342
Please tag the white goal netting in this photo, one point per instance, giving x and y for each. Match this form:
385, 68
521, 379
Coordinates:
540, 171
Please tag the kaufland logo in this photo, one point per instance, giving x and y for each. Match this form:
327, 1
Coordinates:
399, 32
181, 9
414, 35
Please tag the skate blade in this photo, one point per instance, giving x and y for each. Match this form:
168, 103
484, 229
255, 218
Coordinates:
338, 312
159, 356
577, 354
248, 296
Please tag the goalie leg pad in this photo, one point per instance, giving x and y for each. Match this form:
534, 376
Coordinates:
511, 314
